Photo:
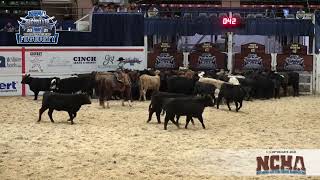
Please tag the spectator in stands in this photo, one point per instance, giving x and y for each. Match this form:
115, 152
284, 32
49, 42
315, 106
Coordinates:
300, 14
153, 11
166, 12
133, 8
122, 8
9, 27
97, 8
111, 8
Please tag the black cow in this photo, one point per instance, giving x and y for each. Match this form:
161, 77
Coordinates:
231, 93
293, 80
72, 85
38, 84
203, 89
263, 86
158, 99
186, 106
181, 85
248, 85
278, 81
63, 102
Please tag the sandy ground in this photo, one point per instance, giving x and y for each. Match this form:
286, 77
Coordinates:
117, 143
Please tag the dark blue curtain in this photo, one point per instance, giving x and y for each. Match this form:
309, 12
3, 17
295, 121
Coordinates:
207, 26
118, 29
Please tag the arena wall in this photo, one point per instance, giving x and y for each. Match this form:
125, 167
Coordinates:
61, 62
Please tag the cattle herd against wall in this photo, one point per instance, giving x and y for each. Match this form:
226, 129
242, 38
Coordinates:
174, 92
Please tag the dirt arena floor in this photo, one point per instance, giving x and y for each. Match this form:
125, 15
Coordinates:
117, 143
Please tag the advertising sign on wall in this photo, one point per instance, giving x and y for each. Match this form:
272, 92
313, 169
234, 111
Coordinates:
62, 62
10, 86
295, 58
207, 57
165, 56
10, 62
252, 57
77, 60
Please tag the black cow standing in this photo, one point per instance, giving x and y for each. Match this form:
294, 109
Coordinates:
63, 102
203, 89
278, 81
293, 80
231, 93
72, 85
181, 85
186, 106
38, 84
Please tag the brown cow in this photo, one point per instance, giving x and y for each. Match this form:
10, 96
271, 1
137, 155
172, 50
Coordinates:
149, 83
108, 82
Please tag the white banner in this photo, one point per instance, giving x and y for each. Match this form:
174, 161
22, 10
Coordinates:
10, 86
10, 62
81, 60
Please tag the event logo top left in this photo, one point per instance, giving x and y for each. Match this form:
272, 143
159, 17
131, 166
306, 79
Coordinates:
37, 28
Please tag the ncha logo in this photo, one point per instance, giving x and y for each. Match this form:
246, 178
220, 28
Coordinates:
280, 164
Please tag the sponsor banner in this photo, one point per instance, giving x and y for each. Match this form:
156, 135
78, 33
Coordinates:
252, 61
294, 62
10, 86
77, 60
255, 162
10, 62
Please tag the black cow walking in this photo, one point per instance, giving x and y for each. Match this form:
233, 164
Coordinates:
231, 93
158, 99
63, 102
38, 84
186, 106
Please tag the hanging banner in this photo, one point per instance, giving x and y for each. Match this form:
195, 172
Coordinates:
294, 58
165, 56
252, 57
207, 57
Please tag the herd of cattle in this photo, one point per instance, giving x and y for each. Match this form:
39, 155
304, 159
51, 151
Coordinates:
175, 92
